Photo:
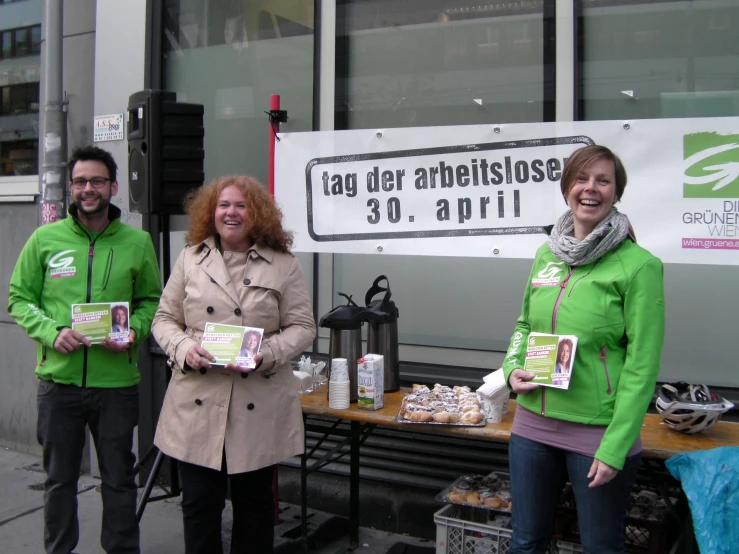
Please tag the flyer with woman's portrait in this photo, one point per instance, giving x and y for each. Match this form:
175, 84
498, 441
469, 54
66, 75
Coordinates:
551, 359
232, 344
102, 320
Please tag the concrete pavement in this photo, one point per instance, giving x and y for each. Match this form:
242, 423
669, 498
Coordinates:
21, 519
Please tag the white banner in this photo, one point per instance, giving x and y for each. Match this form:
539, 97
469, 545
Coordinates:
487, 190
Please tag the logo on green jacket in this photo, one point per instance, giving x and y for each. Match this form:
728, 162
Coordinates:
60, 265
549, 276
711, 166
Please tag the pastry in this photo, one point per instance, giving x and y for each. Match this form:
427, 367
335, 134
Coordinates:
419, 416
473, 498
457, 496
446, 417
472, 417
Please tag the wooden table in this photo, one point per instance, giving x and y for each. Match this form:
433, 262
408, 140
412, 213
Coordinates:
659, 441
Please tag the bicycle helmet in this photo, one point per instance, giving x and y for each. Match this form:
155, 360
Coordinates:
690, 408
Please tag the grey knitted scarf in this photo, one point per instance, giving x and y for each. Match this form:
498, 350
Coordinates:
607, 235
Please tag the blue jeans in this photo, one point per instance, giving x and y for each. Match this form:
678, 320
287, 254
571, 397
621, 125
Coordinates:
538, 475
111, 414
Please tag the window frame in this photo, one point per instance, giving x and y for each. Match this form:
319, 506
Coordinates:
31, 50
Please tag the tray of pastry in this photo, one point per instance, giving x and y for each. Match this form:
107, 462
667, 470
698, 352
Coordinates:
480, 491
442, 405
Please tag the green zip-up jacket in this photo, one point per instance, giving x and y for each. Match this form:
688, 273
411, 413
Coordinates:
60, 265
615, 306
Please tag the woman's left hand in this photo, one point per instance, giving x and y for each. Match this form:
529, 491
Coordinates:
257, 361
601, 473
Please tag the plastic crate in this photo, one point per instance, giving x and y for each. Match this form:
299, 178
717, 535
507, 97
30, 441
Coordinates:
465, 530
564, 547
642, 536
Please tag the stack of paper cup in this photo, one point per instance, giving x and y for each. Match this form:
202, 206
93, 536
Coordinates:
338, 386
338, 395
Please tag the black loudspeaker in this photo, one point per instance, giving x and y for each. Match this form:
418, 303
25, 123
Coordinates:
165, 151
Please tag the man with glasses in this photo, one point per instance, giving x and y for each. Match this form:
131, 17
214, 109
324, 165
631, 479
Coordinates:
91, 256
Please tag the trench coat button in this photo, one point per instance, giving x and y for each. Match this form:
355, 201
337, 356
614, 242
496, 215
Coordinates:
237, 311
247, 281
244, 375
203, 371
209, 309
198, 401
250, 407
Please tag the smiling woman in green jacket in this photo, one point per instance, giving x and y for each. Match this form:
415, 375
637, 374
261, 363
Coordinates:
593, 281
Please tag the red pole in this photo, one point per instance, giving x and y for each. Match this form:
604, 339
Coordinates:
274, 128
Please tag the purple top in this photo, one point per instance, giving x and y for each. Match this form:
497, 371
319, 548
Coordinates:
580, 438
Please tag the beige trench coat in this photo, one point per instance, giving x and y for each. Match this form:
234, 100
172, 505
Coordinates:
256, 417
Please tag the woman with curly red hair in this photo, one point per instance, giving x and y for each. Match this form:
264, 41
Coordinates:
231, 425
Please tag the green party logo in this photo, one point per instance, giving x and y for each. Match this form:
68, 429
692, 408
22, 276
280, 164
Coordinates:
711, 166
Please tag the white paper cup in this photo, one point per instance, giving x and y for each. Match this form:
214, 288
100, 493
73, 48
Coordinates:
496, 406
337, 363
339, 369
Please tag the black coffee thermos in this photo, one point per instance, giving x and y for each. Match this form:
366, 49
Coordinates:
345, 323
382, 336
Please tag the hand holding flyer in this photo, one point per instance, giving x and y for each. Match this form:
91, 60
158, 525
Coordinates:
551, 359
102, 320
232, 344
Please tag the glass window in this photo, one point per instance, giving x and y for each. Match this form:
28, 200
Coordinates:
415, 63
36, 39
19, 99
19, 103
22, 42
18, 158
425, 62
659, 59
644, 59
7, 44
230, 56
5, 101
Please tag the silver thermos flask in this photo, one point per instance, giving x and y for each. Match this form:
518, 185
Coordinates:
382, 337
345, 339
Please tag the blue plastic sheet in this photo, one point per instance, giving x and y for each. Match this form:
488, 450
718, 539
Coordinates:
710, 479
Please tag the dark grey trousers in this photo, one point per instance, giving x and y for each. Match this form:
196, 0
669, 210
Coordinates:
111, 414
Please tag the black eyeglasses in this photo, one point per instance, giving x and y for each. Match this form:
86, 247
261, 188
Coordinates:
96, 182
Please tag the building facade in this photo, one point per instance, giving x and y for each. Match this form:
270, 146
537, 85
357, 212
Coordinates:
374, 64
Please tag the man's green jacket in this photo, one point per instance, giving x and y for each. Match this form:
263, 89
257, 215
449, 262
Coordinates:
64, 264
